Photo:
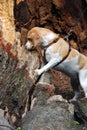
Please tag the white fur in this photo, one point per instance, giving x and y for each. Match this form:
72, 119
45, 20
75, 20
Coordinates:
50, 55
46, 39
69, 66
83, 80
28, 44
49, 37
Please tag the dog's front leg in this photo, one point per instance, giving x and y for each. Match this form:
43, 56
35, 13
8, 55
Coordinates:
48, 66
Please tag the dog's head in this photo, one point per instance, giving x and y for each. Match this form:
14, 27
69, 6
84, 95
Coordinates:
38, 36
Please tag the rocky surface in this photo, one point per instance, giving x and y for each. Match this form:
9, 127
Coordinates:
15, 81
54, 116
55, 113
4, 125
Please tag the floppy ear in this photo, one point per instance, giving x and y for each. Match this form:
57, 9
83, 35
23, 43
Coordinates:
36, 40
34, 35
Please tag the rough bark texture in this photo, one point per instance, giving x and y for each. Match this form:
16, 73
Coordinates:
7, 20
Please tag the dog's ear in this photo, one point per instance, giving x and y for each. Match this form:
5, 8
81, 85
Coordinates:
34, 37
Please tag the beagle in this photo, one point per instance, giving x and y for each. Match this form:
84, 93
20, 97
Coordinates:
74, 65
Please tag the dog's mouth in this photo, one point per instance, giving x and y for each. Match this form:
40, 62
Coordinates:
29, 46
32, 49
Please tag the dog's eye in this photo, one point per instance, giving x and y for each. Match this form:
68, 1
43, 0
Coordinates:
29, 39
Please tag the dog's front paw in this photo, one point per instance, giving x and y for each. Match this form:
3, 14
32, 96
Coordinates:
37, 72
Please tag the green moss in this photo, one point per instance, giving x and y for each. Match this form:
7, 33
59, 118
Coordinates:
19, 128
76, 123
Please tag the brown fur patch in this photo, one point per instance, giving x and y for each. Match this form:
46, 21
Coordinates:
82, 62
61, 47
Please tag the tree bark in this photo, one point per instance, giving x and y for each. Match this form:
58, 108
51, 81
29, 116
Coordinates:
7, 20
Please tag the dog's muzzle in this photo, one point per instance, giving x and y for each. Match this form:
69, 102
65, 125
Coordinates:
28, 45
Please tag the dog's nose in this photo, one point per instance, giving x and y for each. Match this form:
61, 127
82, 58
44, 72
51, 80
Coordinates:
27, 45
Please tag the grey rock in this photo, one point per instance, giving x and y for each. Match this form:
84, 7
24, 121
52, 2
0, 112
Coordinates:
55, 116
3, 121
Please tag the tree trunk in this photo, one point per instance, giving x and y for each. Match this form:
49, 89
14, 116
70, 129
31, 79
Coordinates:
7, 20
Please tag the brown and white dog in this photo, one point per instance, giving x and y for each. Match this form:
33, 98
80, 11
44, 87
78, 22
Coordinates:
75, 65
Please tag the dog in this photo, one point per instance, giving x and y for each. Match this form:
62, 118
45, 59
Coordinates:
55, 48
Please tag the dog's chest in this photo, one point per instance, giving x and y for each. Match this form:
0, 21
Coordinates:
69, 66
49, 55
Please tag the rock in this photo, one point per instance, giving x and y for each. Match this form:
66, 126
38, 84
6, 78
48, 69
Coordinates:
14, 86
83, 105
3, 121
17, 77
56, 98
54, 116
80, 115
81, 111
41, 94
30, 59
48, 111
53, 112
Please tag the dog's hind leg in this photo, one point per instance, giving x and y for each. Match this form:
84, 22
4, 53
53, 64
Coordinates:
75, 85
83, 80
